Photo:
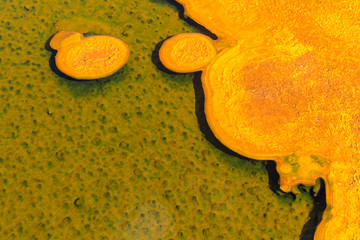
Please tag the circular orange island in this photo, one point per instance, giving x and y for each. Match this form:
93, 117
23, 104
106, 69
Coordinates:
88, 58
187, 52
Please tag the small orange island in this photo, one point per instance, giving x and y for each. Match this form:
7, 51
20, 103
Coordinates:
188, 52
88, 58
283, 85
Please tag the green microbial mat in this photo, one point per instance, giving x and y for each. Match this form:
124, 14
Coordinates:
122, 157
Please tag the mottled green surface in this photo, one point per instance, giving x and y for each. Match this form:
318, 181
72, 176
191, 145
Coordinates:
122, 157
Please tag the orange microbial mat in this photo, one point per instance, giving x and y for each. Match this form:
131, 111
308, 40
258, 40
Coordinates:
88, 57
281, 83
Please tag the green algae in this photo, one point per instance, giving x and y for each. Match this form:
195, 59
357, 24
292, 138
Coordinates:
81, 25
122, 157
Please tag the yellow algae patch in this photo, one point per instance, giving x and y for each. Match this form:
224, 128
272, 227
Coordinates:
187, 52
91, 57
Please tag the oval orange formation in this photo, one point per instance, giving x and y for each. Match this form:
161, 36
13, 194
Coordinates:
89, 57
287, 89
187, 52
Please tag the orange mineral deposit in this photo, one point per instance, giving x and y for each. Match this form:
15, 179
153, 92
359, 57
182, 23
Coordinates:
187, 52
285, 86
88, 57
